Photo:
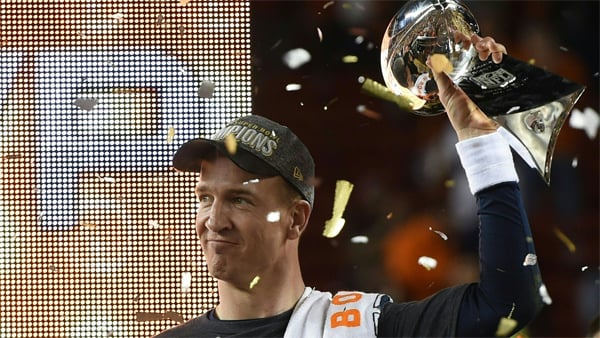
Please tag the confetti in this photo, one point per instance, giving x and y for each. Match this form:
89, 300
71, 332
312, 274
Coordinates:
363, 110
183, 2
148, 316
583, 268
588, 120
350, 59
359, 39
117, 16
406, 100
568, 243
389, 215
575, 162
160, 19
154, 224
320, 34
563, 48
441, 234
186, 281
231, 144
440, 63
291, 87
506, 324
333, 226
544, 294
254, 282
170, 135
427, 262
273, 216
86, 104
328, 4
251, 181
449, 184
530, 259
295, 58
206, 89
359, 239
172, 315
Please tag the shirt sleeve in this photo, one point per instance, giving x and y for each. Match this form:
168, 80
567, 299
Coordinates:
508, 286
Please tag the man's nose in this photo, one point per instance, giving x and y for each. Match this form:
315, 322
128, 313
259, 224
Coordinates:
217, 219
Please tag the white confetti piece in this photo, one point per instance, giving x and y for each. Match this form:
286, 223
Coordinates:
117, 16
154, 224
588, 120
292, 87
575, 162
295, 58
359, 239
583, 268
441, 234
86, 104
359, 39
186, 281
170, 135
530, 259
545, 296
273, 216
328, 4
254, 282
320, 34
427, 262
251, 181
206, 89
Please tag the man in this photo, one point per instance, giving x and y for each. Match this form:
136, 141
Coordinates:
255, 201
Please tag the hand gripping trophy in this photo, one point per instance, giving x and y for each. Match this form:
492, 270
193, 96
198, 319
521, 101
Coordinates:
529, 102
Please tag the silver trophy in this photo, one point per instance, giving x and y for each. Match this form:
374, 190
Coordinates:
529, 102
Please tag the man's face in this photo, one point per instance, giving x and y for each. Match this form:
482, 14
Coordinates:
242, 222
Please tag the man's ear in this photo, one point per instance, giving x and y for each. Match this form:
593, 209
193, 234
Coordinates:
300, 213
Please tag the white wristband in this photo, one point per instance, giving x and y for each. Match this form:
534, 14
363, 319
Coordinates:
487, 161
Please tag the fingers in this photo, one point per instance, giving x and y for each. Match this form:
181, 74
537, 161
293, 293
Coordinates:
488, 46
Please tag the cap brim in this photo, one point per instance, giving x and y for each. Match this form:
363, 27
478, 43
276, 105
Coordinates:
190, 155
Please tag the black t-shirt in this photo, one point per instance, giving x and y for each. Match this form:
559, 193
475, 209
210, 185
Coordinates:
409, 319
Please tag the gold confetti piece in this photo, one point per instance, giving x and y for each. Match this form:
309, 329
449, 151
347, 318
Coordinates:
389, 215
350, 59
254, 282
531, 61
273, 216
333, 226
231, 144
530, 259
449, 184
440, 63
88, 225
170, 135
406, 101
172, 315
148, 316
566, 241
505, 326
183, 2
427, 262
363, 110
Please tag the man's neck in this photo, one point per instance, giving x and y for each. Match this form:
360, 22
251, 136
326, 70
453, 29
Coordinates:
265, 299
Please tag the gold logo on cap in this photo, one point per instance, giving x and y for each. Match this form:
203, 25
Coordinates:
298, 174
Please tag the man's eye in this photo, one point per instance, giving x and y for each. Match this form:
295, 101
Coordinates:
239, 200
204, 199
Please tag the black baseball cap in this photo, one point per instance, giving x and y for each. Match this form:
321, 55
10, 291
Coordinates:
264, 147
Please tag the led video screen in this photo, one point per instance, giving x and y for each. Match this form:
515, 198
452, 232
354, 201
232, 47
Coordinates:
97, 229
